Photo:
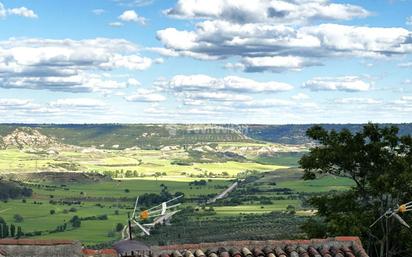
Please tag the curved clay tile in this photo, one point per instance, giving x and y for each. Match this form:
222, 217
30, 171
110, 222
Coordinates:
246, 252
235, 252
325, 251
164, 255
223, 252
337, 252
267, 250
258, 252
348, 252
313, 252
291, 251
176, 254
188, 254
199, 253
279, 252
302, 252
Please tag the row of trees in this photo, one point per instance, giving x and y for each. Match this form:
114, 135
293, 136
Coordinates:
9, 230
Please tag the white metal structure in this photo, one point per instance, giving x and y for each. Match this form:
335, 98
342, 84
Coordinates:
389, 214
395, 213
147, 219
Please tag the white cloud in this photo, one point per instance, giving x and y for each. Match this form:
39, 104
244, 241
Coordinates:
14, 103
78, 103
273, 11
409, 21
17, 11
215, 96
407, 81
406, 98
144, 95
405, 65
275, 63
284, 41
132, 16
67, 65
357, 100
115, 24
346, 83
202, 82
300, 97
23, 12
133, 82
98, 11
133, 3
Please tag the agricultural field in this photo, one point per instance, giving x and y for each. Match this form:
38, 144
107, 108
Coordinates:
113, 199
84, 191
131, 162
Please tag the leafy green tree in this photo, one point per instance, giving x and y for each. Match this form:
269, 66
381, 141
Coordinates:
75, 221
19, 232
18, 218
119, 227
12, 230
379, 162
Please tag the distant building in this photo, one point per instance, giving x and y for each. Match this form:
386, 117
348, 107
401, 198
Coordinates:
336, 247
39, 248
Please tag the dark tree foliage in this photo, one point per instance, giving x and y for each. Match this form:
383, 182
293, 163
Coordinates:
13, 190
379, 161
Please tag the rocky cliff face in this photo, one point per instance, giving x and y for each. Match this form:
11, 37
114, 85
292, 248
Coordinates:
27, 138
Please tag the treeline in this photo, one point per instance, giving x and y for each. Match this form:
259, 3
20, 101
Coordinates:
12, 190
150, 199
9, 230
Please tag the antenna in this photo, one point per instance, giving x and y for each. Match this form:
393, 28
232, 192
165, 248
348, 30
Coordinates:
130, 226
393, 213
156, 214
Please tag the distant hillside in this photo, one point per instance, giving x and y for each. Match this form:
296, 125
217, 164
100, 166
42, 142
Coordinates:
119, 136
152, 136
296, 134
23, 137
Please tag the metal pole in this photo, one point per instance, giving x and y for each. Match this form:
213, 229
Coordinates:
130, 226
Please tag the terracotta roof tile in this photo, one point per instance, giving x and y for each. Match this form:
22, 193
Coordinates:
331, 247
102, 252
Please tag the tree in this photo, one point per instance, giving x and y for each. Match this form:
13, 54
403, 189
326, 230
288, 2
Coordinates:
119, 227
379, 162
52, 212
19, 232
12, 230
18, 218
75, 221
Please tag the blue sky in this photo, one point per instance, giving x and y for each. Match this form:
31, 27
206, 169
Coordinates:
197, 61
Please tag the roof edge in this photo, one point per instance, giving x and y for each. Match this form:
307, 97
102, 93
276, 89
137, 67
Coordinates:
37, 242
351, 241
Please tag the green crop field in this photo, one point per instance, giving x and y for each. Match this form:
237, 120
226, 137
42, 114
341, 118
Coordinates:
279, 205
323, 184
102, 198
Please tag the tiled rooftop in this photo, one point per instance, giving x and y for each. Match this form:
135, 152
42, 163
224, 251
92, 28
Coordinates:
35, 242
331, 247
99, 253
